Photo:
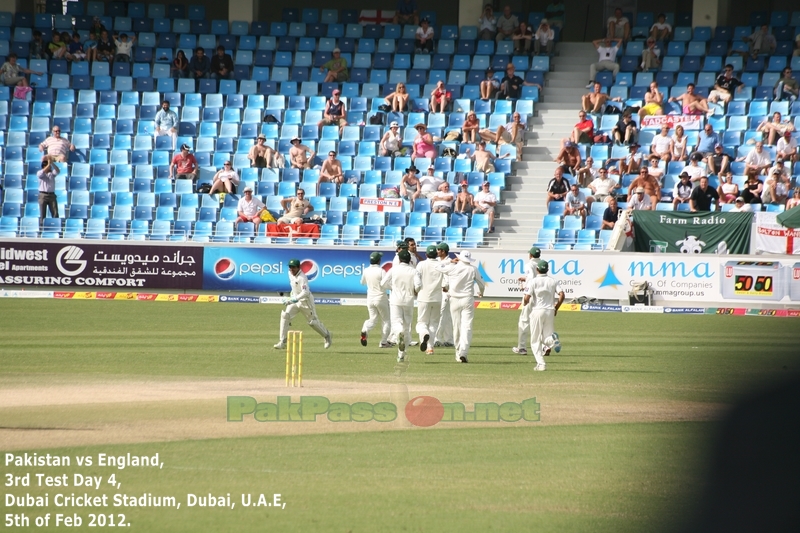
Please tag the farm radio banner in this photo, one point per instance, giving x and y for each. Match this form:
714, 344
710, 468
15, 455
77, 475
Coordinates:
708, 232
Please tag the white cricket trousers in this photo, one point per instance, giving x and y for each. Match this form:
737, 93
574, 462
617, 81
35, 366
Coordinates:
378, 308
462, 311
541, 332
402, 317
428, 315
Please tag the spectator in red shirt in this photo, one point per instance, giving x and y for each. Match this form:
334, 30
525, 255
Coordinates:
185, 164
584, 129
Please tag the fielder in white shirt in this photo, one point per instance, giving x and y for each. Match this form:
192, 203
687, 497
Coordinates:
300, 301
377, 300
405, 283
541, 296
444, 333
429, 300
461, 276
523, 324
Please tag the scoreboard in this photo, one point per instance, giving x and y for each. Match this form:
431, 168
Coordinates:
755, 280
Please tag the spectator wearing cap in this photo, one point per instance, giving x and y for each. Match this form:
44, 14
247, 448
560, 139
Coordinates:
391, 142
166, 123
703, 197
398, 100
544, 38
294, 209
469, 130
423, 37
410, 186
507, 23
335, 113
639, 201
631, 163
682, 191
758, 159
774, 129
221, 65
225, 180
250, 208
719, 161
184, 165
261, 153
331, 170
728, 191
558, 187
430, 183
423, 143
741, 207
406, 12
300, 155
484, 160
336, 67
777, 185
787, 147
569, 157
465, 202
485, 203
199, 65
650, 185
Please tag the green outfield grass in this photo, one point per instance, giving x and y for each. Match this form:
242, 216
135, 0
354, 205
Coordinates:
632, 397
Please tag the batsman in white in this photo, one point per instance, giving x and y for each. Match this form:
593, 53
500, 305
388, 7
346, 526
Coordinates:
444, 333
429, 300
523, 325
377, 300
300, 301
541, 296
405, 283
461, 276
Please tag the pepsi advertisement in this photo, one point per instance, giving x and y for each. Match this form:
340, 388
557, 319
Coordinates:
266, 270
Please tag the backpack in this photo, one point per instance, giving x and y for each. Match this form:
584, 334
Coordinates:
270, 119
204, 188
385, 108
377, 119
449, 152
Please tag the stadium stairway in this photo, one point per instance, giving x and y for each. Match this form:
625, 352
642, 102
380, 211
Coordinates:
521, 216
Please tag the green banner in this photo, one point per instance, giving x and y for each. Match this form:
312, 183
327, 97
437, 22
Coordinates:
706, 232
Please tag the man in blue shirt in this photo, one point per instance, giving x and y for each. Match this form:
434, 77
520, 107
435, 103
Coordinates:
707, 140
166, 122
199, 65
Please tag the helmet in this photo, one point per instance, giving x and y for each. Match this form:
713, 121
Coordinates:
542, 267
535, 252
443, 247
294, 263
430, 251
375, 258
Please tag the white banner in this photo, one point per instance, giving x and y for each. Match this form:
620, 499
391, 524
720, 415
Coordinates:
387, 205
696, 278
773, 238
689, 122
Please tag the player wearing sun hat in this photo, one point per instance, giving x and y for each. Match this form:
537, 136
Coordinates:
541, 296
377, 300
523, 324
460, 279
300, 301
429, 300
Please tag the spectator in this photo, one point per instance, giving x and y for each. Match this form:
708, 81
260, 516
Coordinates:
442, 201
487, 24
703, 197
123, 46
619, 27
440, 98
595, 101
221, 65
199, 65
753, 188
725, 86
625, 131
90, 46
75, 50
37, 47
166, 123
653, 102
225, 180
506, 25
406, 12
555, 14
786, 87
184, 165
300, 155
662, 145
631, 163
336, 67
180, 66
583, 131
410, 186
423, 37
569, 157
611, 214
794, 201
575, 203
489, 86
649, 183
639, 201
510, 133
758, 159
557, 188
335, 113
679, 141
11, 73
682, 192
398, 100
56, 148
510, 85
485, 202
707, 140
741, 207
294, 209
586, 172
484, 160
602, 186
607, 55
544, 38
423, 143
429, 183
655, 169
97, 26
105, 49
728, 191
719, 162
780, 168
465, 202
391, 141
775, 128
692, 103
651, 56
761, 42
250, 208
694, 169
47, 189
469, 130
261, 153
787, 147
661, 29
522, 38
57, 49
331, 170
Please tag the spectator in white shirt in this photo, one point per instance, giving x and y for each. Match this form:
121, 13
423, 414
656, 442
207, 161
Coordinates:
543, 38
758, 159
607, 58
787, 147
250, 208
485, 202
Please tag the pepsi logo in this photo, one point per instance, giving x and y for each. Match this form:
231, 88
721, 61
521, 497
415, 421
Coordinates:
310, 269
225, 268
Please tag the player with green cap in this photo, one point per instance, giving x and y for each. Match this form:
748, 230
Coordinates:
444, 332
377, 300
300, 301
405, 283
429, 300
523, 325
541, 296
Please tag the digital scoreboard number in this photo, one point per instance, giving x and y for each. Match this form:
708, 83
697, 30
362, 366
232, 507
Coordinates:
756, 280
